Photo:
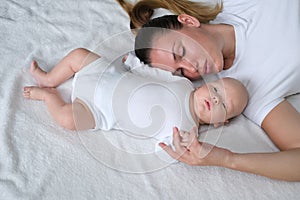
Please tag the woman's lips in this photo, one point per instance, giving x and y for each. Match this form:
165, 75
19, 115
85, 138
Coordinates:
206, 69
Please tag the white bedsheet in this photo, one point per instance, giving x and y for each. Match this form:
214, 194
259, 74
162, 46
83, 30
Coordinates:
40, 160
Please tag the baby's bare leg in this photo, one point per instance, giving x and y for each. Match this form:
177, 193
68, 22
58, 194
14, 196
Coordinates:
65, 69
83, 116
59, 110
72, 116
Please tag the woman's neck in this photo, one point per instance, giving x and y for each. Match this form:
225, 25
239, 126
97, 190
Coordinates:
225, 34
229, 45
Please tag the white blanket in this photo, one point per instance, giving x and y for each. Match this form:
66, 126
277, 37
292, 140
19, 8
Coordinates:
40, 160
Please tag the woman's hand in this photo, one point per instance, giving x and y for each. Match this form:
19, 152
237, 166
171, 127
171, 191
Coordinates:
281, 124
190, 151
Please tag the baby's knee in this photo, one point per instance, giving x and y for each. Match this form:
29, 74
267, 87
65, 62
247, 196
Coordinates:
79, 52
67, 122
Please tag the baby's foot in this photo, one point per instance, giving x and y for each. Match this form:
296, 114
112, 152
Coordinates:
38, 74
37, 93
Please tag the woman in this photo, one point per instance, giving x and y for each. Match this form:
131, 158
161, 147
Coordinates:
255, 42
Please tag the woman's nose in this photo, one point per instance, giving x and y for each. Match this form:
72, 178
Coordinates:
188, 66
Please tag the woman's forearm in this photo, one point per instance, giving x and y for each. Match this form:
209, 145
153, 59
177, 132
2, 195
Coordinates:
283, 165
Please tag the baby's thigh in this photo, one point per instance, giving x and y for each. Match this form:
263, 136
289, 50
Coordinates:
83, 117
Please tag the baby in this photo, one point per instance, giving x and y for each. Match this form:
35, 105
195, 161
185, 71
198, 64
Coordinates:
146, 104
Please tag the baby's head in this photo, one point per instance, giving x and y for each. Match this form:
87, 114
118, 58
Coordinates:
218, 101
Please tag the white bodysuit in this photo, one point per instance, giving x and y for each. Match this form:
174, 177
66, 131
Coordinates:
267, 51
147, 104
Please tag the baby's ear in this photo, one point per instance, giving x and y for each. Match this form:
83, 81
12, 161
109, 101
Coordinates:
124, 58
216, 125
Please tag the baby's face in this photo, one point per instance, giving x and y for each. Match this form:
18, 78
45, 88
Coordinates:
218, 101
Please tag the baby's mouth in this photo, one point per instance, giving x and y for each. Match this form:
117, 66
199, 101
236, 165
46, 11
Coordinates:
207, 104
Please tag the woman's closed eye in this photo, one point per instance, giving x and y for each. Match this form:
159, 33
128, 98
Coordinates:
179, 54
182, 51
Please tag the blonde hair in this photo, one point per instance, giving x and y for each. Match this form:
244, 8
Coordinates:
141, 12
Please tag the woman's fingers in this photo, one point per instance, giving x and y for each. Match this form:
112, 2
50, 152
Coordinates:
186, 146
173, 153
177, 140
178, 149
193, 152
193, 139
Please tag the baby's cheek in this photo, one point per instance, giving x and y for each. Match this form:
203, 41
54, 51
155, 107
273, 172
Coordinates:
218, 116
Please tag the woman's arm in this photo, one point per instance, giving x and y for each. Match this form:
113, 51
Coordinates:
282, 125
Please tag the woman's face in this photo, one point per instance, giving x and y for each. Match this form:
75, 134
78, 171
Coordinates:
190, 52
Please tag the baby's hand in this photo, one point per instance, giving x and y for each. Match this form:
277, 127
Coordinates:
184, 138
124, 58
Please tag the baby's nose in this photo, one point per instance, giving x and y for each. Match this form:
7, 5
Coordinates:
216, 99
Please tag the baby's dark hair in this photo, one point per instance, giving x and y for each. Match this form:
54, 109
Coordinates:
146, 35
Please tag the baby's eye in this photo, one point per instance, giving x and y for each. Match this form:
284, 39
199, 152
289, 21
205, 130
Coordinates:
224, 105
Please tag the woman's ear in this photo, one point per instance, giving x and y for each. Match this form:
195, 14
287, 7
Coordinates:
188, 20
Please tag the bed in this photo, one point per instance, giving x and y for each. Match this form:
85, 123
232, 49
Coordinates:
40, 160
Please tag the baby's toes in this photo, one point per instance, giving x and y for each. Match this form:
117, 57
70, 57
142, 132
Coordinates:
26, 92
33, 66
